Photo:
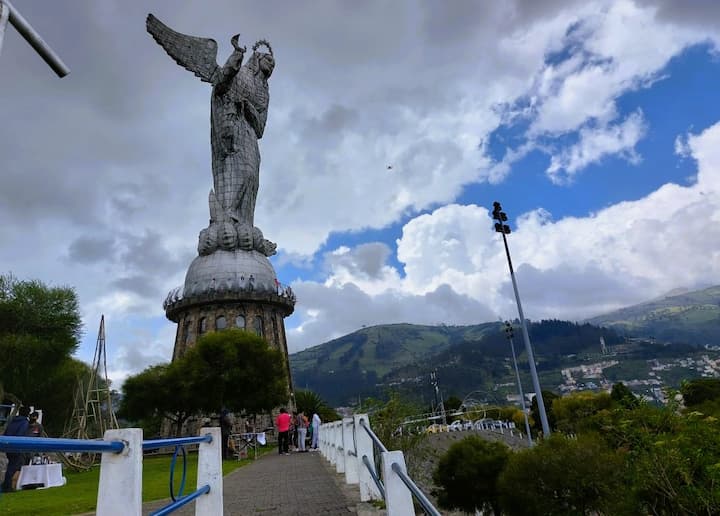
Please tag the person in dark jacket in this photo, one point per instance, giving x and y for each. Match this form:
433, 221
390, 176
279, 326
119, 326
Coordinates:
18, 426
35, 428
226, 424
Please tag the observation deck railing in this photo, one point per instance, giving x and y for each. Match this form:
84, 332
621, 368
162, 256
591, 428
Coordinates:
350, 445
120, 487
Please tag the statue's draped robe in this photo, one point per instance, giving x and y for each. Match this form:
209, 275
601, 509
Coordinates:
238, 114
235, 130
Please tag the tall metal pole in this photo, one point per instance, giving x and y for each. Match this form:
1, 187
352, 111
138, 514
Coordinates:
32, 37
509, 333
501, 217
4, 17
439, 404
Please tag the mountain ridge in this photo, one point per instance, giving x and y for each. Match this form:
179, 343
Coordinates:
373, 359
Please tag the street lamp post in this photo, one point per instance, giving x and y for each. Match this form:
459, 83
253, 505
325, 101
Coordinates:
439, 405
504, 229
509, 335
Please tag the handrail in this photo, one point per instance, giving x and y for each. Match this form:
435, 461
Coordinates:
355, 453
374, 475
181, 501
121, 465
52, 444
426, 504
374, 437
154, 444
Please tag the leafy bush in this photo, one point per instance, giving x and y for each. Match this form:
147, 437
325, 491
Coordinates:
467, 475
562, 476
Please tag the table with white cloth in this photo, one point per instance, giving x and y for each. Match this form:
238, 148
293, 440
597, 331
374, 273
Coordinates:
247, 441
49, 475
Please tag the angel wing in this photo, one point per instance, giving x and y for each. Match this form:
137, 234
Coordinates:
199, 55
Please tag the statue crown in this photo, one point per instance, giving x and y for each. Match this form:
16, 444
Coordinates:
262, 43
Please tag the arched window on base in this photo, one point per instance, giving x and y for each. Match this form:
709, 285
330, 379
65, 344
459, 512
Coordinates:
259, 327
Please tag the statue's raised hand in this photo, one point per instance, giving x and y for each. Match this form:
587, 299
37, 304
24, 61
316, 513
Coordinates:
236, 46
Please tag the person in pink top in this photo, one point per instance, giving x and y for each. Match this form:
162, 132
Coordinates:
282, 422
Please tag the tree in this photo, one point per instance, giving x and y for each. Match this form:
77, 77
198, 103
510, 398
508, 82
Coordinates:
467, 475
310, 402
573, 411
231, 369
679, 473
623, 396
700, 390
672, 459
40, 328
158, 392
548, 399
562, 476
452, 403
237, 370
386, 420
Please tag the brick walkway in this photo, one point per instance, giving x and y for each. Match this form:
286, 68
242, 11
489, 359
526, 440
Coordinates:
298, 484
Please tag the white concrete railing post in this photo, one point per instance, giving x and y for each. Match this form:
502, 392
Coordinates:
351, 470
331, 443
210, 473
120, 487
340, 447
322, 435
325, 434
398, 498
364, 446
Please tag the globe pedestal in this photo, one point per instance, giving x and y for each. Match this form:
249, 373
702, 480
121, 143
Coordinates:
231, 289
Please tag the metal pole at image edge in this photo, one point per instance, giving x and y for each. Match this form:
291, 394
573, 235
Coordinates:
32, 37
504, 229
4, 16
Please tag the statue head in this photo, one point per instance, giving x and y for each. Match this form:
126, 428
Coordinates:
263, 61
267, 64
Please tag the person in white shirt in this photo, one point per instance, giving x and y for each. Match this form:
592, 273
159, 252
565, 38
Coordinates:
315, 430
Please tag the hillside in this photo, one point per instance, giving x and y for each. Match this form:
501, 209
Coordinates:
353, 365
477, 358
690, 317
467, 358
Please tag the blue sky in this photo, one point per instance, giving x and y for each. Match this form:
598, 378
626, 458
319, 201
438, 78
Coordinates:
594, 123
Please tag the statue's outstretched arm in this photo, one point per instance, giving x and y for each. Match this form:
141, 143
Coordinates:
199, 55
225, 75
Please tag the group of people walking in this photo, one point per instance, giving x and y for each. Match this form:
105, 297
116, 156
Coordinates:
298, 429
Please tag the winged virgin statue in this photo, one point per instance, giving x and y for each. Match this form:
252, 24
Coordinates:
238, 112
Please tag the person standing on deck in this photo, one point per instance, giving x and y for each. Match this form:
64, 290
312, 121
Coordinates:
315, 430
17, 427
282, 422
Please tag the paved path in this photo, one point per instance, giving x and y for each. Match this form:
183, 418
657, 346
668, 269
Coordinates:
298, 484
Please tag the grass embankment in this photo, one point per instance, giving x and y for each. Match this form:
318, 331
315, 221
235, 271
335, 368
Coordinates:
79, 495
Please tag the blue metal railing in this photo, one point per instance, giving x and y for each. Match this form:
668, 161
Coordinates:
179, 443
416, 492
371, 467
427, 506
61, 445
154, 444
47, 444
181, 501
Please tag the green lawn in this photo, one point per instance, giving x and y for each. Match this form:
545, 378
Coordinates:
79, 495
